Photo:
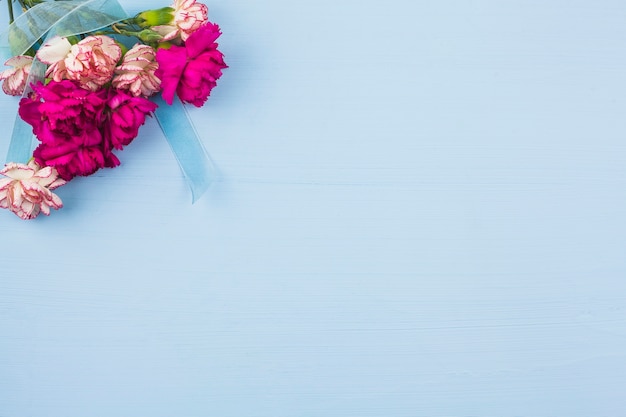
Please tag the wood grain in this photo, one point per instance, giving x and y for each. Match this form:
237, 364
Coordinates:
419, 213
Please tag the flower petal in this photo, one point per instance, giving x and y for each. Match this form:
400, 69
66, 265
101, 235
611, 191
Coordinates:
54, 50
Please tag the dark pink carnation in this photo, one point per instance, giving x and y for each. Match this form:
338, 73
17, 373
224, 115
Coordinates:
62, 108
67, 120
78, 129
126, 114
191, 71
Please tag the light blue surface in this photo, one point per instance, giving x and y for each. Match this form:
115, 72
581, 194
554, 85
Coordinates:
421, 214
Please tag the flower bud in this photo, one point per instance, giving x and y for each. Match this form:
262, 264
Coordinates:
149, 36
156, 17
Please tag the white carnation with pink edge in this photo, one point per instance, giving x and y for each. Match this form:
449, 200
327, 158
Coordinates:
91, 61
27, 189
15, 78
136, 72
189, 15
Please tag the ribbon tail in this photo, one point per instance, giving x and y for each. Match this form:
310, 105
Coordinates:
23, 140
21, 145
197, 167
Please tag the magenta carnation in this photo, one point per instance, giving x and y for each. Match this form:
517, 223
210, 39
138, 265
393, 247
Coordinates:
67, 119
78, 128
126, 114
191, 71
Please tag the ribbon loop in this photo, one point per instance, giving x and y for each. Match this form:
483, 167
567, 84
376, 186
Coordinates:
62, 18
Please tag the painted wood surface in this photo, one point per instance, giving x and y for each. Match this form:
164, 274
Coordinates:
420, 213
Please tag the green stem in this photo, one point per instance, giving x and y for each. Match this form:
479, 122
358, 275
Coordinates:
10, 6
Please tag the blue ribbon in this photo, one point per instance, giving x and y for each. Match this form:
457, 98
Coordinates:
23, 141
62, 18
183, 139
74, 17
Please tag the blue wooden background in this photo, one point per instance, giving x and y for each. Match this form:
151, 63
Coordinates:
421, 212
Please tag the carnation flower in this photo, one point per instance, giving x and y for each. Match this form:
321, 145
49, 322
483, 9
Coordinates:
126, 114
91, 61
53, 53
15, 78
136, 72
67, 119
61, 108
192, 70
186, 17
95, 95
26, 191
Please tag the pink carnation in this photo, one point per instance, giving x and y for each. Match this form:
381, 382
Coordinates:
26, 191
15, 78
189, 15
192, 70
78, 129
91, 61
126, 114
67, 120
136, 72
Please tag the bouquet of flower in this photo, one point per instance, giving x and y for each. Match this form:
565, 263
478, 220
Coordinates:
86, 94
